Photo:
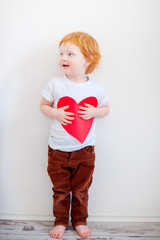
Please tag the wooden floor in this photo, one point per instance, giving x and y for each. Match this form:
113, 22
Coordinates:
39, 230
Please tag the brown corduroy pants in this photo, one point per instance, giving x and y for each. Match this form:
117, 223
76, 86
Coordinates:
71, 172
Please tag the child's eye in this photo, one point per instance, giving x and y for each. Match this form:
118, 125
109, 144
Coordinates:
61, 54
70, 54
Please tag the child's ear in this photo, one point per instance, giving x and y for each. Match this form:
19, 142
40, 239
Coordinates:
89, 60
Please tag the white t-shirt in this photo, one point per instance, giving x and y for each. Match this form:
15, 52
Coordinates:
57, 88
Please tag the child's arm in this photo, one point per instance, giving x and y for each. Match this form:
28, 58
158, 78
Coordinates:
59, 114
89, 111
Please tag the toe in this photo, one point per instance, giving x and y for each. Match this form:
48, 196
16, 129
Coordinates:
59, 236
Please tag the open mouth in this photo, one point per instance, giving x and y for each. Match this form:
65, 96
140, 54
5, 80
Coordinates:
65, 65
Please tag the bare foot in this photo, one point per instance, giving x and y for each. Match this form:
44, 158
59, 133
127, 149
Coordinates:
57, 231
83, 231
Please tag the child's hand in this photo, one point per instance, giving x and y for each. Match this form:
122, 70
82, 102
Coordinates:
63, 117
87, 112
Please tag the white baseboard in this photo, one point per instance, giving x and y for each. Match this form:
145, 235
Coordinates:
28, 216
124, 218
34, 216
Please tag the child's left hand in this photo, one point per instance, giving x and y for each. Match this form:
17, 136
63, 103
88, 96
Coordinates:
87, 112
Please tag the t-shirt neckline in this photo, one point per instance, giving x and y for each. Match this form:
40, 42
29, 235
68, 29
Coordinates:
75, 84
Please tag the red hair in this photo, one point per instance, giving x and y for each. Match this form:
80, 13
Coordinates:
88, 46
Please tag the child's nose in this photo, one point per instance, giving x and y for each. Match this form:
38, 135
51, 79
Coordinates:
64, 57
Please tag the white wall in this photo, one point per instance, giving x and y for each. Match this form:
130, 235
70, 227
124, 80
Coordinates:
127, 176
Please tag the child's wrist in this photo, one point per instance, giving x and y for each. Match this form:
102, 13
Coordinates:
94, 114
54, 113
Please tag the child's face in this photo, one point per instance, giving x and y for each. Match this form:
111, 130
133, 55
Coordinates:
72, 62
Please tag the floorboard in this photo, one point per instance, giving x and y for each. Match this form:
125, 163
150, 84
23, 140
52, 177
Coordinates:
39, 230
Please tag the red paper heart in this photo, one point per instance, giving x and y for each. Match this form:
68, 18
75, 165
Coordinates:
79, 128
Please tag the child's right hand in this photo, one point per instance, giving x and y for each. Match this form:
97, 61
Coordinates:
64, 117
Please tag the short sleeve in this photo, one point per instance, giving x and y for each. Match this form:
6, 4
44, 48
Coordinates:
103, 99
48, 91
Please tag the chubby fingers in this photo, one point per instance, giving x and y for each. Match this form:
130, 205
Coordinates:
68, 116
82, 110
65, 107
67, 120
87, 105
83, 114
86, 112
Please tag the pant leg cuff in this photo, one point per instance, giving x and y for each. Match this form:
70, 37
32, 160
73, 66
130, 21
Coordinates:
65, 224
77, 223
